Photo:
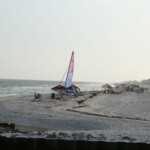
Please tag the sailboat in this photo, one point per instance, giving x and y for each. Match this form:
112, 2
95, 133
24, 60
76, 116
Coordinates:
69, 77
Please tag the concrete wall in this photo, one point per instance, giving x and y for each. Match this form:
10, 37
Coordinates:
58, 144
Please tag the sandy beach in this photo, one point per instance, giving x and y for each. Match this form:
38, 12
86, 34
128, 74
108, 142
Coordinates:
110, 117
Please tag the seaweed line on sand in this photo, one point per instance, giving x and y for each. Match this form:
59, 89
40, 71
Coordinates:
107, 116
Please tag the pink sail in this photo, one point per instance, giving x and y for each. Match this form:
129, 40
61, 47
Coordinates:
70, 72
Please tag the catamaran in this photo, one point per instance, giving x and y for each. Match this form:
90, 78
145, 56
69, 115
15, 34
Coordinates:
69, 77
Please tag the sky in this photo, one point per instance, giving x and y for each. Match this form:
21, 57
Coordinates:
110, 39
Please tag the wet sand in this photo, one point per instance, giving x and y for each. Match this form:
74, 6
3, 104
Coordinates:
23, 128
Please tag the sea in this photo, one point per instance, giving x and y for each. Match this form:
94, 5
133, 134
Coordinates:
10, 87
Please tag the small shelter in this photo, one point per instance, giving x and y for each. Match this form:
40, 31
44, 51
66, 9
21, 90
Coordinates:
59, 88
110, 88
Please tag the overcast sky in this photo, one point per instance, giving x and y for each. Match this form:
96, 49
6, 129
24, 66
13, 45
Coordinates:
110, 39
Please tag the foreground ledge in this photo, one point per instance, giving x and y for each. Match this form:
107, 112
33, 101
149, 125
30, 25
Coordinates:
60, 144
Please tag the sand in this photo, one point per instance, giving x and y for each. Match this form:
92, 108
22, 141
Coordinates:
111, 117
